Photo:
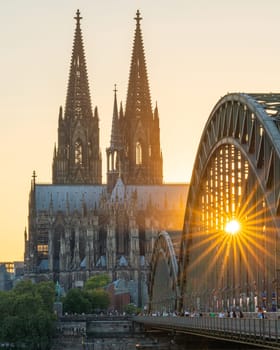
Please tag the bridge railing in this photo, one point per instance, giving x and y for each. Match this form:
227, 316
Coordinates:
250, 330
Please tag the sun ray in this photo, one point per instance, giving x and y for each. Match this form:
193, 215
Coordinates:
231, 240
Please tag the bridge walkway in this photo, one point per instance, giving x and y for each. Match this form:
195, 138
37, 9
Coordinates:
264, 333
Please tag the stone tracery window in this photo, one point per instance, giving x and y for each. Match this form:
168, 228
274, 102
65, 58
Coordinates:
78, 152
115, 160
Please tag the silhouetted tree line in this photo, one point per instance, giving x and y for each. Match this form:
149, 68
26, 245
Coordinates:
27, 319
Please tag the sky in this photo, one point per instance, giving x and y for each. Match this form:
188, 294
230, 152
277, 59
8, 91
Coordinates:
196, 52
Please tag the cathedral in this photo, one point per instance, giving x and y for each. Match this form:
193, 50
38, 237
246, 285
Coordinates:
78, 226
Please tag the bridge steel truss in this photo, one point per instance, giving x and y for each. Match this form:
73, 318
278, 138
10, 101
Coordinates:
163, 284
236, 175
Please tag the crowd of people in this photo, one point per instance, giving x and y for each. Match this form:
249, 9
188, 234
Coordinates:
229, 313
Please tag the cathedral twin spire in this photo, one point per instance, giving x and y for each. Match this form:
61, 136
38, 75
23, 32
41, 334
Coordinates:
134, 151
138, 158
78, 102
77, 158
138, 100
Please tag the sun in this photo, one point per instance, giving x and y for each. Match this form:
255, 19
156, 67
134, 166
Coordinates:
232, 227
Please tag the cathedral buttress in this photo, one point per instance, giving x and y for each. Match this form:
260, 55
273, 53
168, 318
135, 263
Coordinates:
77, 157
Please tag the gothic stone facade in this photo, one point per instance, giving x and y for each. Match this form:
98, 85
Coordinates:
80, 230
79, 227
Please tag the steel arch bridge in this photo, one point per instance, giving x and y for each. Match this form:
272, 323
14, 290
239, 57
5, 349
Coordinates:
236, 176
163, 284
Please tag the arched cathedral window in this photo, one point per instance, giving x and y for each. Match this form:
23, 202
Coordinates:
78, 152
138, 153
115, 159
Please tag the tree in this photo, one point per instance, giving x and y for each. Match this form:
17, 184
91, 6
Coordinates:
76, 301
97, 281
90, 299
132, 309
6, 299
99, 299
27, 317
47, 292
24, 287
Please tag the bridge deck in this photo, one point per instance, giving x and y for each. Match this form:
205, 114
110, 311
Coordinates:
264, 333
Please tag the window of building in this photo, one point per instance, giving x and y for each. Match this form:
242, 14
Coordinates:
78, 152
138, 153
115, 160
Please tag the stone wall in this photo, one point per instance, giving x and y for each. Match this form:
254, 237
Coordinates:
80, 332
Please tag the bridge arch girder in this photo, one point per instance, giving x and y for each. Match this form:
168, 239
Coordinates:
226, 124
238, 161
163, 284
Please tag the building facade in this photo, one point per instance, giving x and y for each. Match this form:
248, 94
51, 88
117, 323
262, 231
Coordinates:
78, 226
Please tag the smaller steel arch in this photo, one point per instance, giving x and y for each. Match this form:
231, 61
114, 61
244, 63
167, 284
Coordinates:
163, 281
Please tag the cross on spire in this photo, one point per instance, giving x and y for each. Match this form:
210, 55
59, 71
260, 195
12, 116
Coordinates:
115, 88
33, 182
34, 176
78, 18
138, 18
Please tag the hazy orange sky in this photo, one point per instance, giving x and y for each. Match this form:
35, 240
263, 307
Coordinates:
196, 51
